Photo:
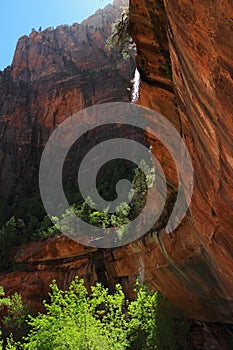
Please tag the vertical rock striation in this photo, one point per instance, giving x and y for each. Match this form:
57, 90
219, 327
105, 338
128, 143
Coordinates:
192, 266
199, 41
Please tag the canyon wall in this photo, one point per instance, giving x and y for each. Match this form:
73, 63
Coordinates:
54, 74
193, 265
200, 47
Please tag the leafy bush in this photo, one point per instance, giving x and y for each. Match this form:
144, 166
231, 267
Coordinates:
14, 315
100, 320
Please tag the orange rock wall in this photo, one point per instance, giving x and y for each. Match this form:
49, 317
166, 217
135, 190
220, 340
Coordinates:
200, 47
193, 265
55, 74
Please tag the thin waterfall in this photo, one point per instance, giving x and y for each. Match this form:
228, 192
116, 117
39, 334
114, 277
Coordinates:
134, 98
141, 270
136, 86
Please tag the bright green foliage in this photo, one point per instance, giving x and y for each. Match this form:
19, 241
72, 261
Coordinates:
95, 218
101, 320
4, 301
70, 323
11, 344
110, 310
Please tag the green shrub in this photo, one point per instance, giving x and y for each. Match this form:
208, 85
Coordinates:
101, 320
15, 315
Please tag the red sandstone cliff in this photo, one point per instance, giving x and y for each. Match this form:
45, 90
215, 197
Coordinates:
199, 253
54, 74
193, 266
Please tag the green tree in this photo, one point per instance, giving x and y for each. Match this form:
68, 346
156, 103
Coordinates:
77, 320
68, 323
110, 309
15, 315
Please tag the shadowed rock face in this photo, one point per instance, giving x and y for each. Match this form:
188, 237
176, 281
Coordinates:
54, 74
200, 45
193, 266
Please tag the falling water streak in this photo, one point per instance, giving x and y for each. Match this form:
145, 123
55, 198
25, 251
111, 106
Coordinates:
141, 270
135, 97
136, 87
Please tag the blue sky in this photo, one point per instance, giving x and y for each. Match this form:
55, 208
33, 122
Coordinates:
18, 17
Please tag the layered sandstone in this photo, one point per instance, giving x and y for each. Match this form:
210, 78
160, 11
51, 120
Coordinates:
54, 74
200, 47
192, 266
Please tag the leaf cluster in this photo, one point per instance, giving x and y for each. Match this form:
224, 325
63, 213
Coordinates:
74, 319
